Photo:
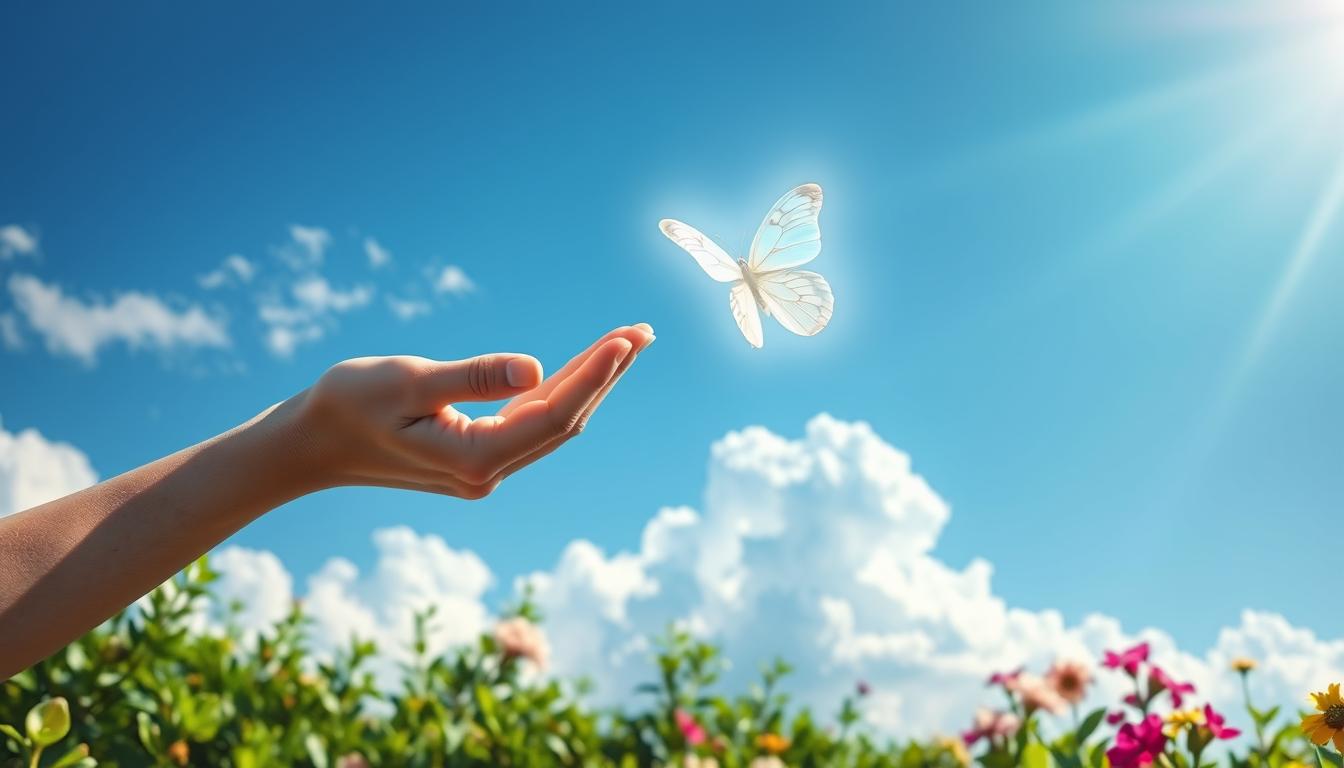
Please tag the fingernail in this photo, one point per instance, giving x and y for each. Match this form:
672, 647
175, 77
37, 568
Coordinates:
645, 327
520, 372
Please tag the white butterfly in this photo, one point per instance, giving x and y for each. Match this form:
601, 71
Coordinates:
790, 236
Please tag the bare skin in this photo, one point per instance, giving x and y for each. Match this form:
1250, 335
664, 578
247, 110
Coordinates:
69, 564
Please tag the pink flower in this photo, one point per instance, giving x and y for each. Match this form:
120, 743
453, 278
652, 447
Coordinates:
1159, 680
1132, 699
352, 760
1006, 679
1137, 745
519, 638
1217, 724
1070, 680
991, 724
692, 731
1037, 694
1115, 718
1129, 660
863, 688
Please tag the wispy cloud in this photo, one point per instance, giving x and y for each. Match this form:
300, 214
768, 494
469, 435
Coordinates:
10, 336
378, 255
16, 240
408, 309
80, 328
306, 247
315, 304
234, 269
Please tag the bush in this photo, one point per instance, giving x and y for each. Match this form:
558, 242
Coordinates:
144, 689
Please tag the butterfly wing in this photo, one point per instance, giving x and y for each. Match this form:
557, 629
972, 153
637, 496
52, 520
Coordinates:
801, 301
744, 312
790, 234
711, 258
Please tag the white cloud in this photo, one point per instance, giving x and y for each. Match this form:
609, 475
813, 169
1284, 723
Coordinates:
73, 327
819, 550
234, 268
316, 303
10, 336
35, 470
408, 309
16, 240
452, 279
306, 246
378, 255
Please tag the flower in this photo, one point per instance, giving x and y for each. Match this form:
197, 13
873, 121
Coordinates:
1217, 724
352, 760
1005, 679
1137, 745
692, 731
956, 748
1037, 694
696, 761
767, 762
772, 743
1178, 720
863, 688
1159, 680
517, 637
990, 724
1070, 680
1243, 664
1328, 723
179, 752
1115, 718
1128, 660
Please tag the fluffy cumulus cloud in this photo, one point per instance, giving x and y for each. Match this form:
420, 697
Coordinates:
35, 470
15, 240
819, 550
78, 328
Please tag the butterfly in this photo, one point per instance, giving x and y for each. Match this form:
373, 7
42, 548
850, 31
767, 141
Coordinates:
789, 237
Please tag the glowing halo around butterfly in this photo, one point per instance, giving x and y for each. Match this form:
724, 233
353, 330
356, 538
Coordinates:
789, 236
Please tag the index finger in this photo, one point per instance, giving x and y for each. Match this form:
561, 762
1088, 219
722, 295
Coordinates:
636, 334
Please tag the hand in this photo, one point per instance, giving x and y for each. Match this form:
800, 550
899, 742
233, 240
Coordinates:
389, 421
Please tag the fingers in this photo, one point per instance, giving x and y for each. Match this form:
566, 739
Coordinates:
638, 335
499, 443
487, 377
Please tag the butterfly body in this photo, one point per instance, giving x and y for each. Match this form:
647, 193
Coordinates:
767, 281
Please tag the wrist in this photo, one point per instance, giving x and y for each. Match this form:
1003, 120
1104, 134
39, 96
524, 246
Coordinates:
286, 449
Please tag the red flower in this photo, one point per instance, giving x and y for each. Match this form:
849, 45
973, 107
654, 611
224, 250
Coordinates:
1115, 718
1159, 680
1129, 660
1138, 745
1217, 724
692, 731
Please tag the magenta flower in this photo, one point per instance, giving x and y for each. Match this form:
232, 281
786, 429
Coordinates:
991, 725
1115, 718
1005, 679
1159, 680
863, 688
1138, 745
1132, 699
692, 731
1217, 724
1128, 660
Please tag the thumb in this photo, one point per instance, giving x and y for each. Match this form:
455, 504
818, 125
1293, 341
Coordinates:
487, 377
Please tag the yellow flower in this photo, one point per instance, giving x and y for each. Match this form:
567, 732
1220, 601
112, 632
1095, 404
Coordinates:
772, 743
956, 748
1178, 720
1243, 665
1329, 723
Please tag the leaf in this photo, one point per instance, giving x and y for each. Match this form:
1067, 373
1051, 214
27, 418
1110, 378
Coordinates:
13, 733
1326, 757
1035, 756
1090, 724
74, 757
48, 722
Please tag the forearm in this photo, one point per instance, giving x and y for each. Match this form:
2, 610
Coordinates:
68, 565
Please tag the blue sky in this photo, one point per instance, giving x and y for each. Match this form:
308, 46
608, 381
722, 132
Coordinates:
1054, 233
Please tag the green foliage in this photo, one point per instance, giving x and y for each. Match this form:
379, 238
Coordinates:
144, 689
